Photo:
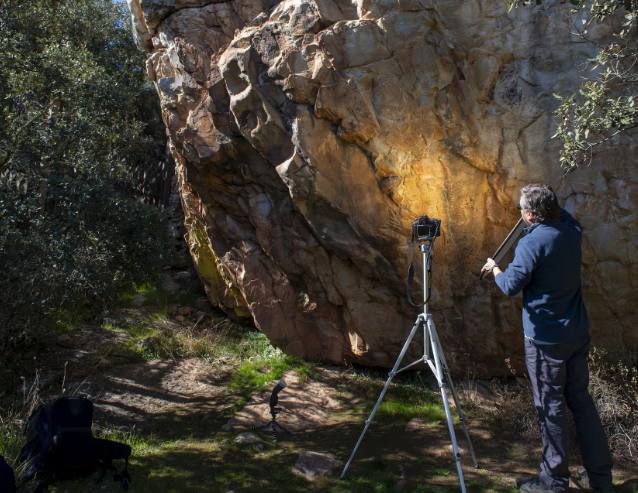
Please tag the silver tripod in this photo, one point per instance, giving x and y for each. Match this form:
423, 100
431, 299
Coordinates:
433, 356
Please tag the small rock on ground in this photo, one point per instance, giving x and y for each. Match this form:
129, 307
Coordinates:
413, 425
247, 437
311, 465
169, 285
65, 340
185, 310
448, 451
139, 300
147, 342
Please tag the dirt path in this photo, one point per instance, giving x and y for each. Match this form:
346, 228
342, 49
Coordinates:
179, 415
185, 401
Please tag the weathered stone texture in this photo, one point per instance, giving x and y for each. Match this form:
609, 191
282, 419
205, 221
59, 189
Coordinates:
309, 134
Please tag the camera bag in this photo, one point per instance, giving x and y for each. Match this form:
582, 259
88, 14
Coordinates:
61, 445
7, 479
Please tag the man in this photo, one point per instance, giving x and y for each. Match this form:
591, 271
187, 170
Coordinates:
546, 267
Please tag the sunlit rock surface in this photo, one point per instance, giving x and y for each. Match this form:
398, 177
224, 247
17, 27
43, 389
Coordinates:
309, 134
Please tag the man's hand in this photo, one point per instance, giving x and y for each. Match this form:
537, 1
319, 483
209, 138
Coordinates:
491, 266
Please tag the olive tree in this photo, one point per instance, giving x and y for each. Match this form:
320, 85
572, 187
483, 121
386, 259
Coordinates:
69, 232
605, 105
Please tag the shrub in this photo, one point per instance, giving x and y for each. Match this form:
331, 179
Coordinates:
614, 388
69, 230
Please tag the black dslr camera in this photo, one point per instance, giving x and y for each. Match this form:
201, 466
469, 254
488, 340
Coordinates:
426, 229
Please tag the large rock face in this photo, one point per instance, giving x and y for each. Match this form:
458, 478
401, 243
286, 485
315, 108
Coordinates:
309, 135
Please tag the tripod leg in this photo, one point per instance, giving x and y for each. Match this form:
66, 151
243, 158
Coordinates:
281, 428
461, 417
391, 375
436, 350
446, 370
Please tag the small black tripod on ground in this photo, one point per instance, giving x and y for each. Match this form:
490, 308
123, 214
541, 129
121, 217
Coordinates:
274, 411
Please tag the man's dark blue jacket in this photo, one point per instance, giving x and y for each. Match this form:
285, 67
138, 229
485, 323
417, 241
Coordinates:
546, 267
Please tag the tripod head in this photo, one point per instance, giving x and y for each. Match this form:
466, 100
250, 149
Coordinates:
274, 411
274, 399
424, 230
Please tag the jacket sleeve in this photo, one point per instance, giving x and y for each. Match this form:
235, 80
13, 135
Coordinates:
519, 273
566, 217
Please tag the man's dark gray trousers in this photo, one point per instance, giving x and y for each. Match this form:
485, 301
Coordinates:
560, 378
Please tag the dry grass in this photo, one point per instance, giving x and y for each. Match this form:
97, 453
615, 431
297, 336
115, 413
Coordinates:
613, 385
12, 425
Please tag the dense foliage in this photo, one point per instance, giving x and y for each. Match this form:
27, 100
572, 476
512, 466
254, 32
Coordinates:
69, 232
605, 106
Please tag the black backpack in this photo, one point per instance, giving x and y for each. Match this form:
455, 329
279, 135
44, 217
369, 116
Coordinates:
61, 445
7, 479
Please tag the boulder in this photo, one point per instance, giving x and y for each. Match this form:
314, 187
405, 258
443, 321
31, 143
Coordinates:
311, 465
168, 285
308, 136
247, 438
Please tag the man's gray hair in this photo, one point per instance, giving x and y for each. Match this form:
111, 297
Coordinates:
542, 201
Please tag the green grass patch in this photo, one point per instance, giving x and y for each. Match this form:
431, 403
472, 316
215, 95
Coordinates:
406, 407
186, 298
142, 445
264, 365
65, 320
259, 362
478, 486
11, 438
154, 295
255, 374
376, 476
406, 398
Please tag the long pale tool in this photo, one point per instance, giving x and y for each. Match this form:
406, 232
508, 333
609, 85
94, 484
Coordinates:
507, 245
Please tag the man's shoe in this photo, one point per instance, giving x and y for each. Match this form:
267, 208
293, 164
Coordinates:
584, 478
582, 475
531, 485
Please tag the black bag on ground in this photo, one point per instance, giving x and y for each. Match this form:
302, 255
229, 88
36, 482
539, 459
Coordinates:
60, 444
7, 479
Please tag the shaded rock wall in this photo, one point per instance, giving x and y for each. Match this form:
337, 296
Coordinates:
309, 134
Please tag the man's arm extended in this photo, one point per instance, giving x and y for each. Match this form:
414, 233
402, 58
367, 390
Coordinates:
519, 273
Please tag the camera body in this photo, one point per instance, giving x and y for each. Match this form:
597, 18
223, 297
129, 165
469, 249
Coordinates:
426, 229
